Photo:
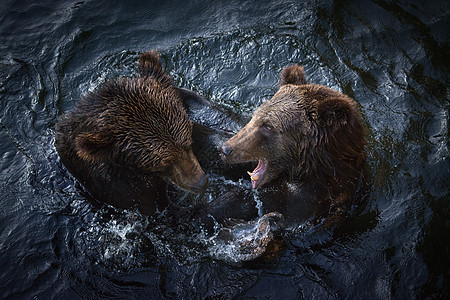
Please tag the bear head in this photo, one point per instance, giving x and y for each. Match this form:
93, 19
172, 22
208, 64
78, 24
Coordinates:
135, 124
304, 132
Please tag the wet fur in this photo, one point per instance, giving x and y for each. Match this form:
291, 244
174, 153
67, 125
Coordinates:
313, 138
123, 139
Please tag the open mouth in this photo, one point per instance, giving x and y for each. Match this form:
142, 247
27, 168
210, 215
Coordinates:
257, 175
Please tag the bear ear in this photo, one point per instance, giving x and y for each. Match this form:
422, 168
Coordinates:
150, 66
293, 75
190, 98
334, 112
93, 147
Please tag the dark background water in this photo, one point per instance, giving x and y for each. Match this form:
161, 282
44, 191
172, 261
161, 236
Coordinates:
391, 56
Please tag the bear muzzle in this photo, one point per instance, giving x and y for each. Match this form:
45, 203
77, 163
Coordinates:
188, 174
196, 183
201, 185
226, 150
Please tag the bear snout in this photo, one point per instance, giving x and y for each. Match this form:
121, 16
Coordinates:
196, 184
201, 185
227, 150
188, 180
187, 173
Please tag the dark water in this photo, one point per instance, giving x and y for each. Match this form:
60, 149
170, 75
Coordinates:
391, 56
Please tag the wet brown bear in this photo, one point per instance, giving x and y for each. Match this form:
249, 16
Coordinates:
124, 139
309, 143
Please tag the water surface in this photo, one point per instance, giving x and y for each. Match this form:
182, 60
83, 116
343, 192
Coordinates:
391, 56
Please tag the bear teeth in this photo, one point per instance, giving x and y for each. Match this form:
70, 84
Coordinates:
252, 176
258, 173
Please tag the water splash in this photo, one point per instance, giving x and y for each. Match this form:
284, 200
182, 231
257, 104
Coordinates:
115, 239
245, 241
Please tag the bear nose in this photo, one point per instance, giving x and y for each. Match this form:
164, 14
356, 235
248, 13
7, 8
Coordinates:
226, 150
202, 184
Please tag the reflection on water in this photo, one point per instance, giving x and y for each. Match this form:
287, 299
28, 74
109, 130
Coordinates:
390, 56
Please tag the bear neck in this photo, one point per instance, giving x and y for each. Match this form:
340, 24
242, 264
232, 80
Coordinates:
337, 176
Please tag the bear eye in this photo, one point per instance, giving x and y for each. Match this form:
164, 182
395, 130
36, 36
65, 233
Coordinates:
267, 127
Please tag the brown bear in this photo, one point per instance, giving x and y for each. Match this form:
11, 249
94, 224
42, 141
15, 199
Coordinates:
126, 139
309, 142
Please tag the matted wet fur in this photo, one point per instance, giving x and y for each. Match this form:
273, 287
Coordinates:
309, 143
124, 140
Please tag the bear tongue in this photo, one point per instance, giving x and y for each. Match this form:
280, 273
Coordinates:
258, 173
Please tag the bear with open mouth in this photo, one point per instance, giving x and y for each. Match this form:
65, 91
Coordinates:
309, 144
